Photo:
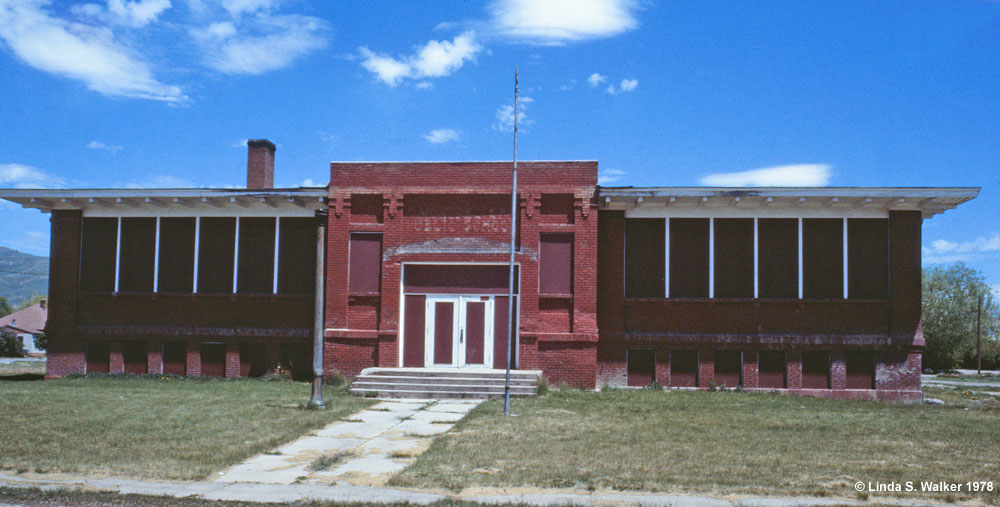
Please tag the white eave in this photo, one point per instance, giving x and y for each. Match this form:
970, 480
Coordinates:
846, 200
156, 200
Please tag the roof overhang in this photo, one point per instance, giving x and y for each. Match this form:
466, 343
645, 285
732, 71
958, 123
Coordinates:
929, 201
156, 201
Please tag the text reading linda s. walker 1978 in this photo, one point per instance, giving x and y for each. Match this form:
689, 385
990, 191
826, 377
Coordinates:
924, 487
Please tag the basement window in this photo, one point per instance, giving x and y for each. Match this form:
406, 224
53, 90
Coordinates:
689, 251
644, 246
684, 368
823, 258
771, 368
816, 370
641, 367
365, 263
729, 368
778, 258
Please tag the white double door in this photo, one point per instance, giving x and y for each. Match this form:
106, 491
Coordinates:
459, 331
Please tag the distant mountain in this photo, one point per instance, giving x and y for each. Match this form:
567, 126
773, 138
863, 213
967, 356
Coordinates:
22, 275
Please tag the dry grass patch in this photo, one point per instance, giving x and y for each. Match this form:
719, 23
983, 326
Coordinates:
151, 428
22, 368
724, 443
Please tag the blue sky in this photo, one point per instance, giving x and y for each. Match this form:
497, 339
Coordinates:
163, 93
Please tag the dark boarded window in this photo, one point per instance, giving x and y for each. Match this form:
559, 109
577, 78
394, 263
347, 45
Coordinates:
778, 258
297, 256
734, 258
138, 244
216, 247
253, 357
98, 251
213, 360
558, 205
823, 258
728, 367
644, 269
98, 357
175, 357
816, 370
771, 369
176, 255
867, 258
689, 257
366, 208
860, 369
555, 263
255, 273
684, 368
641, 367
134, 357
365, 263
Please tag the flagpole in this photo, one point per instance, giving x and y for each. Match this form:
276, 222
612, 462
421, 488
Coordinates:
513, 237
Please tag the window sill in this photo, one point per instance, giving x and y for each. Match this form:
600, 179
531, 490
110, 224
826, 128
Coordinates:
555, 296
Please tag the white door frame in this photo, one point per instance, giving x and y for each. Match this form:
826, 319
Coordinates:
458, 349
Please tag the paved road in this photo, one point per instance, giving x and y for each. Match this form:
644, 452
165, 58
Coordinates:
8, 360
931, 379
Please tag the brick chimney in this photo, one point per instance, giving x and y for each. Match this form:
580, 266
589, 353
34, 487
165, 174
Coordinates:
260, 163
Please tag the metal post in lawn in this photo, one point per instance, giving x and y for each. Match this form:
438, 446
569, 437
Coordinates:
979, 345
510, 285
316, 401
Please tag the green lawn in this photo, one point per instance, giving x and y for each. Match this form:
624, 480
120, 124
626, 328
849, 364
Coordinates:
723, 443
153, 428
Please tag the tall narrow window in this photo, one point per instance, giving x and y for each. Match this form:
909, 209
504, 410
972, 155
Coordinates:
823, 258
734, 257
689, 257
176, 255
216, 245
138, 244
365, 263
555, 264
778, 258
868, 258
297, 256
644, 270
98, 252
255, 273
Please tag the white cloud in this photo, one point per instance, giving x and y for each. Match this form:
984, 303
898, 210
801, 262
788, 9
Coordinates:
137, 13
561, 21
237, 8
626, 85
800, 175
78, 51
308, 182
26, 176
610, 176
262, 43
424, 85
596, 79
439, 136
434, 59
239, 143
505, 116
97, 145
942, 250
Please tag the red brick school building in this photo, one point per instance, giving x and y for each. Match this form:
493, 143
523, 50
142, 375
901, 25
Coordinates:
805, 290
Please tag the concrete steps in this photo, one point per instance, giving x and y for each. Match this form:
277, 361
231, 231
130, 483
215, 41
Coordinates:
433, 383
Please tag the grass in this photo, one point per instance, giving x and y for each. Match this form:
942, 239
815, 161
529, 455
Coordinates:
328, 461
720, 443
972, 397
153, 428
35, 369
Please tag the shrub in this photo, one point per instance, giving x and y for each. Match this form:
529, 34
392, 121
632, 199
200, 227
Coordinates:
41, 342
10, 345
335, 379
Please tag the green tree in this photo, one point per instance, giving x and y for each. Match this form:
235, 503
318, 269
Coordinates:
37, 298
949, 314
10, 346
5, 308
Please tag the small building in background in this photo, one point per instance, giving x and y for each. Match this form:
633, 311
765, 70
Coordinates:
27, 324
